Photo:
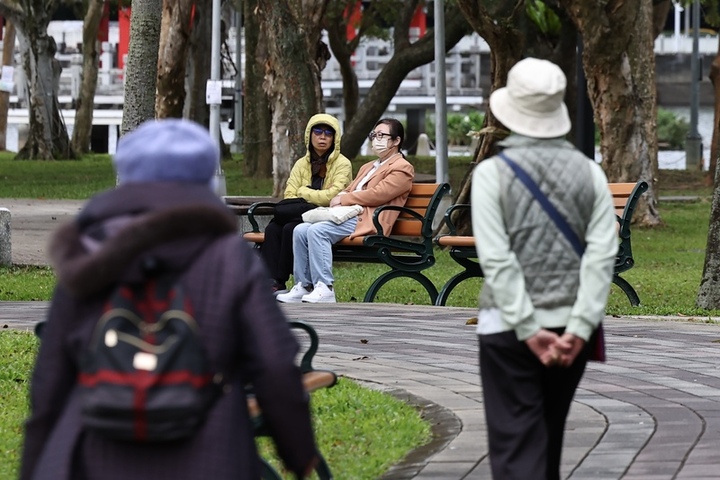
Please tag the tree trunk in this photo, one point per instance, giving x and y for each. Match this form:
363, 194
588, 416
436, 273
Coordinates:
620, 69
709, 293
661, 9
86, 100
257, 115
199, 63
8, 58
47, 135
172, 58
343, 50
292, 77
715, 145
501, 28
142, 62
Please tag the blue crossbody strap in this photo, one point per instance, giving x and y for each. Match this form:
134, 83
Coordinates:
542, 199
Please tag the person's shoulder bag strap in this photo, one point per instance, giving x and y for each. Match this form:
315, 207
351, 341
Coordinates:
597, 348
545, 203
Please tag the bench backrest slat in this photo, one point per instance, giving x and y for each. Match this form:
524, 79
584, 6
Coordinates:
621, 193
418, 200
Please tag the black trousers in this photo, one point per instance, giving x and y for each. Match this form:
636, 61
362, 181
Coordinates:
526, 406
276, 249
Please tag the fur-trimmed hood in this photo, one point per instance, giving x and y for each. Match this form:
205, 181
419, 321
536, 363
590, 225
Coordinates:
122, 231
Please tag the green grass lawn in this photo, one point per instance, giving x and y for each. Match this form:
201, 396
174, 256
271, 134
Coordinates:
668, 267
361, 432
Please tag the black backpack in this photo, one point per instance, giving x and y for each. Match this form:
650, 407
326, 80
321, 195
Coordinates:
145, 375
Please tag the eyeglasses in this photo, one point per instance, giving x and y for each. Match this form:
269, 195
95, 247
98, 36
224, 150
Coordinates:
327, 131
379, 135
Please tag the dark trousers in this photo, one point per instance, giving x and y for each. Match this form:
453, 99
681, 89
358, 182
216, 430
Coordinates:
526, 405
277, 251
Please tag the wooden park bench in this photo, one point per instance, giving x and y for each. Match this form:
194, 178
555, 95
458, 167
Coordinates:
462, 247
407, 249
312, 380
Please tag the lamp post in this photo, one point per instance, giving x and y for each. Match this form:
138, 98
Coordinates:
441, 153
221, 188
238, 80
693, 141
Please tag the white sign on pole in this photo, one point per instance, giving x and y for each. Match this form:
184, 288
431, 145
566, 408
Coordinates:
6, 79
213, 92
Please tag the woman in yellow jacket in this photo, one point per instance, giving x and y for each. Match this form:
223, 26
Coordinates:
317, 177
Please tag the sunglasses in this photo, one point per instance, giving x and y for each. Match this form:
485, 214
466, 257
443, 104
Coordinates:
379, 135
327, 131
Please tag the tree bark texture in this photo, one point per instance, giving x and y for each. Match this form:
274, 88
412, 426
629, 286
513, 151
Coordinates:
257, 115
172, 58
709, 292
85, 103
715, 145
8, 58
661, 9
343, 50
196, 108
292, 77
406, 57
620, 68
47, 134
141, 66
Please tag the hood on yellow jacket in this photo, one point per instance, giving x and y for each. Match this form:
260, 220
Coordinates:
323, 119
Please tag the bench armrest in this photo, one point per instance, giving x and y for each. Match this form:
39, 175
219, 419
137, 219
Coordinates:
447, 218
251, 213
376, 216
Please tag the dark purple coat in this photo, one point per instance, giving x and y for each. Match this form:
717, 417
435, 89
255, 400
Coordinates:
187, 228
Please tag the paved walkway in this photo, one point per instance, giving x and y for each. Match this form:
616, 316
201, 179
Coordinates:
651, 412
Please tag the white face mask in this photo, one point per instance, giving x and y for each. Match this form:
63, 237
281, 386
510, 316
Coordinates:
380, 146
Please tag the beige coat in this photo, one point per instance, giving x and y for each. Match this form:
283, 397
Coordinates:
389, 185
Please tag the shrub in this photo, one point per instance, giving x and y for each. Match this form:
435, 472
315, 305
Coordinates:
458, 125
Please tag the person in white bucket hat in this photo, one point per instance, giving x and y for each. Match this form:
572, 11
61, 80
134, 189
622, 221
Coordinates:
544, 226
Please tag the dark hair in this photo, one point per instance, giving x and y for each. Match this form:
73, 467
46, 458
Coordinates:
396, 129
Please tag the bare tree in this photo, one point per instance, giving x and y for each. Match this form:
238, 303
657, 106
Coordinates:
86, 100
142, 61
47, 135
172, 58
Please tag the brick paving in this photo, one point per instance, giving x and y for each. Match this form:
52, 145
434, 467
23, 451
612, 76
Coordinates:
651, 412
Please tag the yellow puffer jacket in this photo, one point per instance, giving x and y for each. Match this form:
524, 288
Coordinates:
339, 169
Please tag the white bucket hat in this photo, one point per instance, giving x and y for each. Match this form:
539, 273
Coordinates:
531, 103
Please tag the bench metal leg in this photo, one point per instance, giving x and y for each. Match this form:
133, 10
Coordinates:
452, 283
628, 289
392, 274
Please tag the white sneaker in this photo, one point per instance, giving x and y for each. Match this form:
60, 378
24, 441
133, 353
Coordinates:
320, 294
295, 295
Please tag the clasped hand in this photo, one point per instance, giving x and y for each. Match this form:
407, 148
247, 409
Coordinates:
553, 349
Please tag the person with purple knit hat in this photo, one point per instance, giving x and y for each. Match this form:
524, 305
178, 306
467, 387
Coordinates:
164, 213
